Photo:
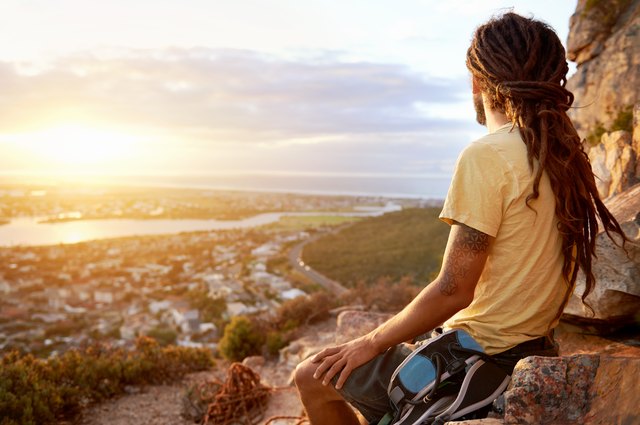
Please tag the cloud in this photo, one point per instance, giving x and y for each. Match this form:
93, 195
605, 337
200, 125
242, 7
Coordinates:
223, 95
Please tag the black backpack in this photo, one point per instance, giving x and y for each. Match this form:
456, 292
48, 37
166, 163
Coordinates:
446, 378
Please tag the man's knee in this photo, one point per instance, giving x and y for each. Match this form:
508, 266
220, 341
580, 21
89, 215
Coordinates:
303, 375
311, 390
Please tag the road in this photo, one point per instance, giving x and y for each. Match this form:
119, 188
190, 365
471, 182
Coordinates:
295, 258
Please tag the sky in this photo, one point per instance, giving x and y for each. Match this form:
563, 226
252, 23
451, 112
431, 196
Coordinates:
354, 87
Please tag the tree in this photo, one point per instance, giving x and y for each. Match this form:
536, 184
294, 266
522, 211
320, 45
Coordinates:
241, 339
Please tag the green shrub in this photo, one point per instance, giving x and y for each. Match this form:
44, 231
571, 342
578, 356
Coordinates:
303, 310
163, 334
41, 391
594, 137
624, 120
242, 338
275, 341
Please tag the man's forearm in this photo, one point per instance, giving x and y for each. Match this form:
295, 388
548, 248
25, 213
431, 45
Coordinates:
465, 256
427, 311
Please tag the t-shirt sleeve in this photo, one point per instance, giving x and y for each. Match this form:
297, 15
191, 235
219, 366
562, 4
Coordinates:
476, 196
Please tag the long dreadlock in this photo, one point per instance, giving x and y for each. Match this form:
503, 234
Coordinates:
520, 66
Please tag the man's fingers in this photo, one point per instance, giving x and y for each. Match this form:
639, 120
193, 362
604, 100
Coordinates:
327, 362
324, 353
335, 368
346, 371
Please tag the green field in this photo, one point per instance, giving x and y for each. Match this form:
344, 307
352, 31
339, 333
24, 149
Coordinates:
310, 222
404, 243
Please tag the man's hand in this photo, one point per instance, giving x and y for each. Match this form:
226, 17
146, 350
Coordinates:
343, 359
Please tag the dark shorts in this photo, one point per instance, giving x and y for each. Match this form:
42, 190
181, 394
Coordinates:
366, 387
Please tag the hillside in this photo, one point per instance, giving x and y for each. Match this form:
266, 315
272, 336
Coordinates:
405, 243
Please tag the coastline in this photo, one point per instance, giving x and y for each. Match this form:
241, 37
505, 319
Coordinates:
404, 186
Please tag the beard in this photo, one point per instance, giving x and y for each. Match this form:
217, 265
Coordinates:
481, 117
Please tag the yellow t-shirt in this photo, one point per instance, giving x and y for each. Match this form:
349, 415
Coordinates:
521, 288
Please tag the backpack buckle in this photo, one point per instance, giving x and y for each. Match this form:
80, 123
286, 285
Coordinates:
456, 366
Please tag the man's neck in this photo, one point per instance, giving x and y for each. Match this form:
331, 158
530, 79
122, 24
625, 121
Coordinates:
495, 119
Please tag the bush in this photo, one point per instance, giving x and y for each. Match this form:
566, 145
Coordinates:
37, 391
624, 120
242, 338
164, 335
275, 341
594, 137
303, 310
385, 295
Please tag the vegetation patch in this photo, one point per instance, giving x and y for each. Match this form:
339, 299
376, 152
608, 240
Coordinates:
42, 391
410, 243
622, 121
299, 223
242, 338
607, 12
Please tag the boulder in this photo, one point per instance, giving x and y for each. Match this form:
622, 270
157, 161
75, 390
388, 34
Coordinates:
583, 389
616, 296
614, 163
352, 324
578, 340
604, 41
313, 339
635, 144
487, 421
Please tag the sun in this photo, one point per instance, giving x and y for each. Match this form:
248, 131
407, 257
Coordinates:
74, 147
77, 144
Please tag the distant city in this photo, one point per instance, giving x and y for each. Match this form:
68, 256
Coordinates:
179, 288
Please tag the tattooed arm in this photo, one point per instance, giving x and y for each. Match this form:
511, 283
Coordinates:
453, 289
464, 259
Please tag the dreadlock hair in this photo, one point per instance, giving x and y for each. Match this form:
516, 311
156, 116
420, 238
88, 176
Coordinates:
520, 66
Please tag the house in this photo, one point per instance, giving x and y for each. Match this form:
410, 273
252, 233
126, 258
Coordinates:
186, 321
292, 293
266, 250
237, 308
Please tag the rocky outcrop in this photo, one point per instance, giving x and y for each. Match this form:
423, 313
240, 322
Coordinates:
352, 324
616, 159
635, 144
318, 336
583, 389
614, 163
616, 296
604, 41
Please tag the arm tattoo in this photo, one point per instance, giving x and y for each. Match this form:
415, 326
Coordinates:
468, 245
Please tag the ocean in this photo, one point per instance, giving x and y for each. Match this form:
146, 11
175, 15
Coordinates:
391, 186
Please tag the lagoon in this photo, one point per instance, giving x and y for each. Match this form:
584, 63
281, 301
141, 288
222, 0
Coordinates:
30, 231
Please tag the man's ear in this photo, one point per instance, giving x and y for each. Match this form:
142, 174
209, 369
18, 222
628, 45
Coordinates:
475, 86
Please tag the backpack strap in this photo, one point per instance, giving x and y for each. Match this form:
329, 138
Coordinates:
482, 384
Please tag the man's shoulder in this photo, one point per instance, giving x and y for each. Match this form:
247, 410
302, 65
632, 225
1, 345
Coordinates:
499, 147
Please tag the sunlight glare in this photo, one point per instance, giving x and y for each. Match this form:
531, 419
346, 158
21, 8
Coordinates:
78, 145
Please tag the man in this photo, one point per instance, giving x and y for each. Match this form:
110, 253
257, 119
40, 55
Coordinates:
523, 210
